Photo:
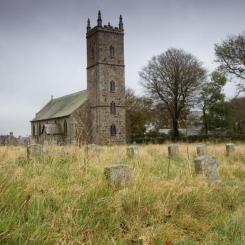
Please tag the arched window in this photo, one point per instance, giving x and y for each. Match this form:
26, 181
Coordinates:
112, 86
112, 51
43, 129
113, 130
65, 128
113, 107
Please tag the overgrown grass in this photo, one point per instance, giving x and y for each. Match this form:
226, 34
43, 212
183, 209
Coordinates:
64, 198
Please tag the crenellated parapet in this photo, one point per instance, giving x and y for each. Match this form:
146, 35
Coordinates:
106, 81
108, 28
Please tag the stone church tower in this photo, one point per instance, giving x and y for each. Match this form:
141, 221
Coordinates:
106, 82
96, 115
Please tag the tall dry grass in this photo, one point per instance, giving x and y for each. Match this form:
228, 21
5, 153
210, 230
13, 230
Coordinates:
64, 198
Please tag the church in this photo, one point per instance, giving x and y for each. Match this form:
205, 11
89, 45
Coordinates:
96, 115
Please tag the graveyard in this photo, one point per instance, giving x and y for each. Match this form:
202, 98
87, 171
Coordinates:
122, 122
138, 194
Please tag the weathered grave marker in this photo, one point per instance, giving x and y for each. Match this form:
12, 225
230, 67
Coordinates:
93, 148
207, 166
201, 149
118, 175
230, 148
173, 150
35, 151
132, 150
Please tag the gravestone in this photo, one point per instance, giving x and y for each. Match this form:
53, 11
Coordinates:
173, 150
201, 149
35, 151
118, 175
32, 141
93, 148
230, 148
45, 142
132, 150
207, 166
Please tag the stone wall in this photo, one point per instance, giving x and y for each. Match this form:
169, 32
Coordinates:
101, 132
95, 115
40, 135
101, 70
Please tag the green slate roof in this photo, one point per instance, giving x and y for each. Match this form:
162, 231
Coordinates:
62, 106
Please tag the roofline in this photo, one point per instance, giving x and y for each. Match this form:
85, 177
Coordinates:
96, 29
45, 105
50, 118
81, 91
55, 99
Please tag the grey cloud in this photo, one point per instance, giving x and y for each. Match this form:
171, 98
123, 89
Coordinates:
43, 44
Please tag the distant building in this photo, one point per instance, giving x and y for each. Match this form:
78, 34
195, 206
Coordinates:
8, 139
95, 115
23, 140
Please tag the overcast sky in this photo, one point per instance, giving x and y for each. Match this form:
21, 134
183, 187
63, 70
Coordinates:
43, 45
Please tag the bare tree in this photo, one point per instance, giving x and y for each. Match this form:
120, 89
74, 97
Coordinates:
174, 78
83, 131
83, 125
231, 57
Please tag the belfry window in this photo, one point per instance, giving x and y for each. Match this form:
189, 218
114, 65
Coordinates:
112, 51
113, 130
113, 107
112, 86
65, 128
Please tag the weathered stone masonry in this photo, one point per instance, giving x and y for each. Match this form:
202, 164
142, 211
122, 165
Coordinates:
105, 64
104, 97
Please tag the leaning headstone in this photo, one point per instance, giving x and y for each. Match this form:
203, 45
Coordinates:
173, 150
35, 151
132, 150
118, 175
230, 148
207, 166
201, 149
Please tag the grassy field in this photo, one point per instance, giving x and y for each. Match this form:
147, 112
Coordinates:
65, 199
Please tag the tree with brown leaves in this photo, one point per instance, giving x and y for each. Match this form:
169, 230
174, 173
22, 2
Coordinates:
174, 77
